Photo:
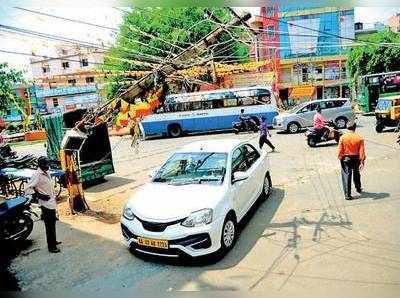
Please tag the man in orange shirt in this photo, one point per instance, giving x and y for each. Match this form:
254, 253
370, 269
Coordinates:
351, 153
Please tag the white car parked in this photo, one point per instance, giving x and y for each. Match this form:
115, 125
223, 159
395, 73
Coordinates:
196, 199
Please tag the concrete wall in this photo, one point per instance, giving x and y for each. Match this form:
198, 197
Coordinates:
56, 68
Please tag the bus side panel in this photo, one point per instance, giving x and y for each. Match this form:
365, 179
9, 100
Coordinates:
159, 128
226, 121
187, 125
205, 123
270, 116
153, 128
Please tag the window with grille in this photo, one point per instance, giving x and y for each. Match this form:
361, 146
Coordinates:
90, 80
270, 31
46, 68
72, 82
84, 62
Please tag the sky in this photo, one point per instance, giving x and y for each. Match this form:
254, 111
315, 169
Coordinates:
107, 16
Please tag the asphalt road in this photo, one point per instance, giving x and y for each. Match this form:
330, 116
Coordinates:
305, 239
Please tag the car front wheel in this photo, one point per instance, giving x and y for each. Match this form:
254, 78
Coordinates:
229, 234
293, 127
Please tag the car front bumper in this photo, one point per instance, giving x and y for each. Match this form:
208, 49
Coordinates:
279, 125
182, 241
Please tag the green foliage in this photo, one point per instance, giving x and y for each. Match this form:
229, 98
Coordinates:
148, 36
368, 59
9, 79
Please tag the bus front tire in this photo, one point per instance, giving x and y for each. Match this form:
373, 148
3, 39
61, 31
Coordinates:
174, 130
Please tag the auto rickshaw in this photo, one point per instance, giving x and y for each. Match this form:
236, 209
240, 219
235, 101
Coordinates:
387, 112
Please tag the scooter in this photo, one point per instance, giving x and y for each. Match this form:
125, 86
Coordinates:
245, 124
16, 222
315, 137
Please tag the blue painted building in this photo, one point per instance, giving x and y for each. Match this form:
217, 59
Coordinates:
315, 32
310, 44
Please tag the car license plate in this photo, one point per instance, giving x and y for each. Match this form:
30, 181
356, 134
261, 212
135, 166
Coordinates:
153, 242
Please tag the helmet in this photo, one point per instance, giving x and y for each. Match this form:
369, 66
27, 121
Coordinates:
351, 125
43, 162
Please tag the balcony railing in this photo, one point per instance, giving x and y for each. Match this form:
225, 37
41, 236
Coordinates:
66, 90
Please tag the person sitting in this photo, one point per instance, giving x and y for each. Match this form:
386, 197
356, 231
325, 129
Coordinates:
319, 124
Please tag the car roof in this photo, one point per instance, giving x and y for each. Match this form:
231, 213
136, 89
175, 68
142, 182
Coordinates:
218, 145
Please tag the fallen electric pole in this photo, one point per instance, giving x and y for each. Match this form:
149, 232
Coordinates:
168, 68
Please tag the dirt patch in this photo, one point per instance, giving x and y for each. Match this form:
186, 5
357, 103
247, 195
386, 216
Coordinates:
107, 210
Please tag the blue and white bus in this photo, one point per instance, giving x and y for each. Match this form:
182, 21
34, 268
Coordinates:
209, 111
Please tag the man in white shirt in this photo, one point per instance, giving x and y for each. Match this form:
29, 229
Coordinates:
41, 186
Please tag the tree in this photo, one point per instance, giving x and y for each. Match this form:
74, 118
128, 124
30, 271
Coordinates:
376, 57
9, 79
149, 36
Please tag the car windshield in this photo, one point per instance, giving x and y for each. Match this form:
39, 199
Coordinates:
297, 107
193, 168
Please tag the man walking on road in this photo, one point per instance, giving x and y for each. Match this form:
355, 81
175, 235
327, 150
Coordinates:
351, 153
41, 186
264, 133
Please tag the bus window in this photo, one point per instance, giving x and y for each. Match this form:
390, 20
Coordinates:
217, 103
248, 101
207, 104
265, 98
197, 105
230, 102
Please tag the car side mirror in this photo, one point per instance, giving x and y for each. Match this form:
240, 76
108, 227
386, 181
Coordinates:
153, 172
239, 176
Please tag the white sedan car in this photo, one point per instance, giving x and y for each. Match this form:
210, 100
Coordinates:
195, 200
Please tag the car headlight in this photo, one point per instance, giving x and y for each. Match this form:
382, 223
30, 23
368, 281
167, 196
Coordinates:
198, 218
128, 214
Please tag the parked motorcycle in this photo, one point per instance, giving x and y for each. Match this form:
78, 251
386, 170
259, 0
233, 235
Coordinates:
19, 162
315, 137
16, 221
6, 151
246, 124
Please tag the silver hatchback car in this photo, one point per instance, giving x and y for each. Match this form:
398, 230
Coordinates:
338, 110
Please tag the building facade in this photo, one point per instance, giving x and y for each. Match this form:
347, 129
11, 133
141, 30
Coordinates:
311, 43
69, 80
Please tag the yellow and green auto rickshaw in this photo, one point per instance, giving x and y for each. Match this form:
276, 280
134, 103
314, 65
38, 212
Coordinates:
387, 112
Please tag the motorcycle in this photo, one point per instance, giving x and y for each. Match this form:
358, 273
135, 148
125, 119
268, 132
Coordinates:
6, 151
246, 124
16, 219
314, 137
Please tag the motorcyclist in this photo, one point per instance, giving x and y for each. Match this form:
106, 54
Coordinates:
243, 119
319, 124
